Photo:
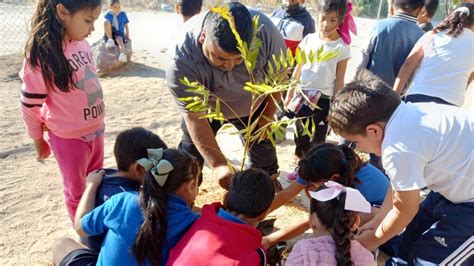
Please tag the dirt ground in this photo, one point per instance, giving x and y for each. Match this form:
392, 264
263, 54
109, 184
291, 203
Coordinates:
32, 212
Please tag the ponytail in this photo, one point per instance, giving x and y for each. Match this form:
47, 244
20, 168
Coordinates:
461, 17
44, 46
151, 236
338, 222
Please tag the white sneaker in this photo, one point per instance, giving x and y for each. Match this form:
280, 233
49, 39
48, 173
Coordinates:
123, 58
109, 44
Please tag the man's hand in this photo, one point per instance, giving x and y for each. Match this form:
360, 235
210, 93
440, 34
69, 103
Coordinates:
368, 239
225, 174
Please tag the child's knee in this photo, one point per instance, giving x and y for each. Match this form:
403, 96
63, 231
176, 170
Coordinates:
61, 248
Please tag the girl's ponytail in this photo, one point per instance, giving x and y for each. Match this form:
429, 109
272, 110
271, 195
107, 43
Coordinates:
341, 231
151, 236
461, 17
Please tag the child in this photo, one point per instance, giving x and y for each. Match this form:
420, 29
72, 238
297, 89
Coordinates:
329, 162
188, 8
451, 42
61, 93
294, 22
141, 228
226, 234
341, 164
422, 145
392, 40
326, 77
333, 218
426, 14
116, 28
130, 146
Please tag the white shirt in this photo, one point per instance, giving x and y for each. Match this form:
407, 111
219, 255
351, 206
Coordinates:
428, 144
322, 76
446, 66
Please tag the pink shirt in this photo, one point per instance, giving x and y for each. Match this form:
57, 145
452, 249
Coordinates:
75, 114
322, 251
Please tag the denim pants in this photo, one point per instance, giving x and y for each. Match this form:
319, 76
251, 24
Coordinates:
262, 154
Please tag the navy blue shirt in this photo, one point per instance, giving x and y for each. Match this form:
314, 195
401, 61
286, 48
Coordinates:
300, 15
392, 40
110, 186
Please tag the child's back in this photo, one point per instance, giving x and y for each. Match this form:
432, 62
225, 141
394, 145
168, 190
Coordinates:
227, 235
391, 42
322, 251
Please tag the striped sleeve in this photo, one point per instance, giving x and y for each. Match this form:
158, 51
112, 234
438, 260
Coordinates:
33, 96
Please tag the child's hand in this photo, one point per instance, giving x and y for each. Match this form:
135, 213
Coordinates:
42, 149
95, 177
266, 242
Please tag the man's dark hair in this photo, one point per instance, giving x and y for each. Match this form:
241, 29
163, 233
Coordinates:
218, 29
408, 5
431, 6
132, 144
113, 2
364, 101
251, 193
190, 8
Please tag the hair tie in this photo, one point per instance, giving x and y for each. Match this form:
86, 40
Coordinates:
355, 201
463, 9
347, 26
160, 168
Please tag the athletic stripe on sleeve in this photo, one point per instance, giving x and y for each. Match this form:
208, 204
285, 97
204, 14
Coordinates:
33, 95
27, 105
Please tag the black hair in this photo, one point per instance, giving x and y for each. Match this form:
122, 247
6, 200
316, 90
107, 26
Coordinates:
457, 20
431, 6
408, 5
325, 160
218, 29
44, 47
338, 222
113, 2
190, 8
338, 6
362, 102
151, 236
251, 193
132, 144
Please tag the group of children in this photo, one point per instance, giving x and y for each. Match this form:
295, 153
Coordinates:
141, 212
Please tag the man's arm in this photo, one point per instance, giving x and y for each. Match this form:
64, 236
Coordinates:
286, 233
203, 137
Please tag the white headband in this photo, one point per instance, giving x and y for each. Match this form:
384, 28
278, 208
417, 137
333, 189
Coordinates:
463, 9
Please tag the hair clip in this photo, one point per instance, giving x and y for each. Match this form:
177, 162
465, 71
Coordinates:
463, 9
160, 168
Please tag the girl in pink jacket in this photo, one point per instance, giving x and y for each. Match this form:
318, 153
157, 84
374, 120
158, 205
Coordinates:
61, 93
333, 218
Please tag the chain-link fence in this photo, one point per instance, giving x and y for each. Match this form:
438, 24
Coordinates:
15, 15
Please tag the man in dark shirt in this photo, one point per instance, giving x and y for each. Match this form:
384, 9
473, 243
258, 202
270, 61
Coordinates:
208, 54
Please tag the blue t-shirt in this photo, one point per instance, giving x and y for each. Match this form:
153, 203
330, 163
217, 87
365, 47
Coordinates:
374, 184
122, 21
111, 185
121, 216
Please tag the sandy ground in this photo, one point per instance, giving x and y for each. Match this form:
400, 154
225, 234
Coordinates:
32, 213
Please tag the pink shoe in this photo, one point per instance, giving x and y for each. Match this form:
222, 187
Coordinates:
292, 176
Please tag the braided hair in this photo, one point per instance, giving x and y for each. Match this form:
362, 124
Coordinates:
338, 222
